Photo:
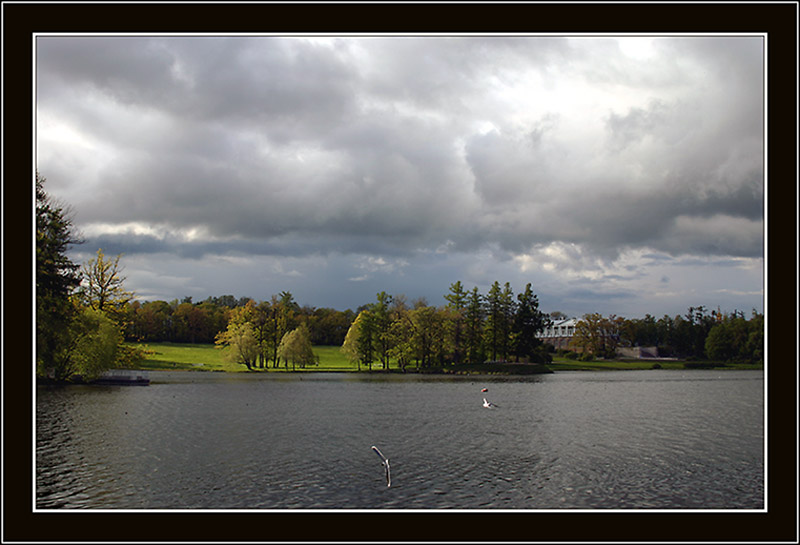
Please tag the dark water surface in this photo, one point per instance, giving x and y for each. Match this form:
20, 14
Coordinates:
571, 440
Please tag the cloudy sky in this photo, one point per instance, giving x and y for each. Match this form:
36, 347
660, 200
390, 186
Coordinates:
616, 175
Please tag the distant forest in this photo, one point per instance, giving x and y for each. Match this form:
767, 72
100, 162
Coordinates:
470, 326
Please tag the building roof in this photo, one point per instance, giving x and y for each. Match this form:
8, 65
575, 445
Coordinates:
567, 322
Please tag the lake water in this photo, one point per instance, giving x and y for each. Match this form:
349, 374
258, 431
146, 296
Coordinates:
570, 440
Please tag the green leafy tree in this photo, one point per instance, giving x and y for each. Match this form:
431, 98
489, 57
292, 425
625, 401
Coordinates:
402, 331
588, 333
274, 328
329, 326
240, 344
98, 344
296, 348
640, 332
94, 343
381, 315
598, 336
103, 286
153, 321
755, 338
428, 338
735, 339
720, 343
358, 344
263, 318
701, 323
284, 313
56, 279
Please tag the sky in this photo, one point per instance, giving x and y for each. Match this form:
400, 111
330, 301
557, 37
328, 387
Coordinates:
619, 175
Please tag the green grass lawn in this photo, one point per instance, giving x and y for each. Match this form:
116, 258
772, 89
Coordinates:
207, 357
180, 356
565, 364
332, 359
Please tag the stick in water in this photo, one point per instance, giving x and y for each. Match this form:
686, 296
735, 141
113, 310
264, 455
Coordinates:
385, 461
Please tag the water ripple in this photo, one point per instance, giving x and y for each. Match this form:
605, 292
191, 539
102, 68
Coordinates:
213, 441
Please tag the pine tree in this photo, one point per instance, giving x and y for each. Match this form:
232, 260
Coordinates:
56, 279
493, 327
474, 327
457, 302
506, 322
529, 320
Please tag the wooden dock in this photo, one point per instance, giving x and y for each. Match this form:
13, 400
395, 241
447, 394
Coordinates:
123, 377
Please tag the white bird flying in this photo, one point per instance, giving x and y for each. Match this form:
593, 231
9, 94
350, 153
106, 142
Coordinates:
385, 461
488, 404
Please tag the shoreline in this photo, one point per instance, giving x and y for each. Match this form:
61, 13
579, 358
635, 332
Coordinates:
534, 369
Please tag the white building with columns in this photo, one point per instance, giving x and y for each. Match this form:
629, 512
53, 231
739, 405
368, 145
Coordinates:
559, 334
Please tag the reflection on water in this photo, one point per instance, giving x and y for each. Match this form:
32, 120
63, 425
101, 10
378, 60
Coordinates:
598, 440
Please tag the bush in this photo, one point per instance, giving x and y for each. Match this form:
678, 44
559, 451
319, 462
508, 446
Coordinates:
587, 356
541, 354
97, 345
571, 355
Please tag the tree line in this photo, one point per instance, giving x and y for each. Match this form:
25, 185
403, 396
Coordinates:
470, 328
187, 322
279, 330
696, 335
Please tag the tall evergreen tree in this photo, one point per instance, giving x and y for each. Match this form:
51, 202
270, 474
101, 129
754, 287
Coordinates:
457, 303
474, 327
493, 327
366, 338
382, 320
56, 279
529, 320
506, 322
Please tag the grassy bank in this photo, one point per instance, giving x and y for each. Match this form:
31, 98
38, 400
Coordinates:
206, 357
564, 364
186, 357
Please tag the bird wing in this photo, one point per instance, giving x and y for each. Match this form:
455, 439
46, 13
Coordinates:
379, 453
385, 461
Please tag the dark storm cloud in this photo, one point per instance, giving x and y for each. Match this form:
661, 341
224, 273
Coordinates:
404, 147
225, 122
